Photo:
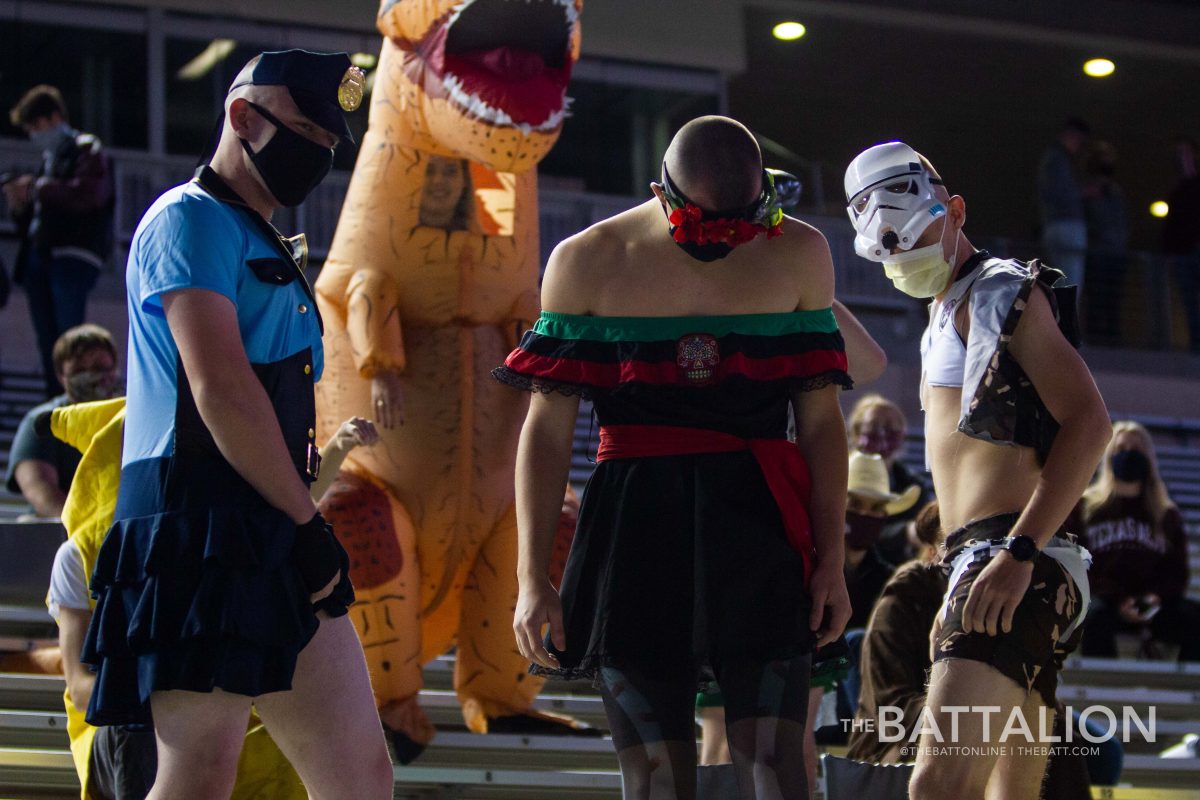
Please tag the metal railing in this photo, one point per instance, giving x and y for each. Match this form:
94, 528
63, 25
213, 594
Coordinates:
1146, 297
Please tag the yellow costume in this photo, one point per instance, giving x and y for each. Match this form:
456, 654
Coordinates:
95, 429
431, 277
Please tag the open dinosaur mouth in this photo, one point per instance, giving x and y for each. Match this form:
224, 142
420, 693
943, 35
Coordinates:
506, 62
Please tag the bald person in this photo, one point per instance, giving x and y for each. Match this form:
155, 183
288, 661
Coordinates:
219, 585
706, 546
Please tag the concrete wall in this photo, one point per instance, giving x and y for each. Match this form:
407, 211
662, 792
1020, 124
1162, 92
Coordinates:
689, 33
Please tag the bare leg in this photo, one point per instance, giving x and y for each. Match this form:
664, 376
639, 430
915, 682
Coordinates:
654, 732
327, 725
815, 694
962, 683
199, 737
714, 744
1020, 769
380, 538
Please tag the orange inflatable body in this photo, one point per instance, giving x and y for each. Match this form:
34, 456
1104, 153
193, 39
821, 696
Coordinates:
431, 278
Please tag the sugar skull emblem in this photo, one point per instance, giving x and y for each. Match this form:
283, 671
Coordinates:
697, 356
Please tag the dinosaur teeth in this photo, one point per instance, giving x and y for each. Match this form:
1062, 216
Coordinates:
456, 12
481, 109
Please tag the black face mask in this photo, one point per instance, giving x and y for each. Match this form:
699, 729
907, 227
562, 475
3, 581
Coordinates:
1130, 466
713, 251
290, 165
703, 252
862, 530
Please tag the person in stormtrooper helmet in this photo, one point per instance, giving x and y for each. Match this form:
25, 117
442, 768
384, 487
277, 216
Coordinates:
1014, 427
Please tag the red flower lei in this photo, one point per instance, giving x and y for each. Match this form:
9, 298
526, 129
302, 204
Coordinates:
691, 227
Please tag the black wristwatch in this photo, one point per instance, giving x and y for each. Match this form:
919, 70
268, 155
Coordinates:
1021, 548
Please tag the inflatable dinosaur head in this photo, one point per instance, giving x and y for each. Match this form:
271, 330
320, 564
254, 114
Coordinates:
484, 80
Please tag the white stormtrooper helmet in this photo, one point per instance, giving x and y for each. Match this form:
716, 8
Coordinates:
890, 199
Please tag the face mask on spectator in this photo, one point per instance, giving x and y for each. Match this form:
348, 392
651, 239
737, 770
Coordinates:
862, 530
49, 138
92, 384
1130, 466
879, 441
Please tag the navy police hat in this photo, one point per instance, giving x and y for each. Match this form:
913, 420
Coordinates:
323, 85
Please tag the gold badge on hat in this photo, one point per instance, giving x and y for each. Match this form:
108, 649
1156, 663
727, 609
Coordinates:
350, 90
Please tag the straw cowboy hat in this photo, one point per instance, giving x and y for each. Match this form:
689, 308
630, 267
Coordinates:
868, 478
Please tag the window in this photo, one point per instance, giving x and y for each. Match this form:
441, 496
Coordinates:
199, 73
616, 137
101, 74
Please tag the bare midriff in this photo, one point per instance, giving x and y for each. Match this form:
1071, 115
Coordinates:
973, 479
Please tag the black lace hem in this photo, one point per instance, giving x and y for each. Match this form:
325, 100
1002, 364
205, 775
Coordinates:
530, 383
830, 377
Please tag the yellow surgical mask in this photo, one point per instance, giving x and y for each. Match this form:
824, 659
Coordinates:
922, 272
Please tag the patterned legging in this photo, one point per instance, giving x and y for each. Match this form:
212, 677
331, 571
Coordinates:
653, 727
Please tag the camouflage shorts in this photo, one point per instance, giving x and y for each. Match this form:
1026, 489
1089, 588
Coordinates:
1031, 653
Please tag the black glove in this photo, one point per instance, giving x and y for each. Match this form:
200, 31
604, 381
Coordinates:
316, 553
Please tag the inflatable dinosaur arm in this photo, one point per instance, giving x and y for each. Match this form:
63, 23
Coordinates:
373, 323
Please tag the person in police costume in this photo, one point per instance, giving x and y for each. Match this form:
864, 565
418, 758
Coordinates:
219, 585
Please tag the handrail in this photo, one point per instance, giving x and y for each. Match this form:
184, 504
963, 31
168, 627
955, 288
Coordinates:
1150, 304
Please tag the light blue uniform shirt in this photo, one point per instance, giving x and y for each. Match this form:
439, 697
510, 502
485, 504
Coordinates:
190, 240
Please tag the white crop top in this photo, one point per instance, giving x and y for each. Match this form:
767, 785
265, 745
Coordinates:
943, 351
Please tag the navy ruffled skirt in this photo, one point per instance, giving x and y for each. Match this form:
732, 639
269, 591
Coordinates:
196, 589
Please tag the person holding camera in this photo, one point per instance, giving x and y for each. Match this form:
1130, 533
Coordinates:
63, 213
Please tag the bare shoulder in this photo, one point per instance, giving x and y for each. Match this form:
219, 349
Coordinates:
575, 268
808, 259
581, 264
803, 234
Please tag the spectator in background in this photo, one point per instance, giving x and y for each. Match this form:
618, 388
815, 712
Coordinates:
877, 425
1107, 243
1181, 235
870, 504
1139, 573
41, 467
63, 212
895, 651
1060, 198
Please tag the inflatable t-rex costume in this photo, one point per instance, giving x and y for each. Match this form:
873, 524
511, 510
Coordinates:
431, 277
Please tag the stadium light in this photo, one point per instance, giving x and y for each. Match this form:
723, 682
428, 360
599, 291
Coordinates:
789, 31
1159, 209
1099, 68
217, 51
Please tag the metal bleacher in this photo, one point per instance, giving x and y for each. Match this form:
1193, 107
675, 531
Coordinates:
35, 761
19, 392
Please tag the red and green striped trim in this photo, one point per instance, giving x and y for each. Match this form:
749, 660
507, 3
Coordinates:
614, 373
641, 329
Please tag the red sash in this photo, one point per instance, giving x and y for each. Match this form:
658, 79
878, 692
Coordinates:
782, 465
